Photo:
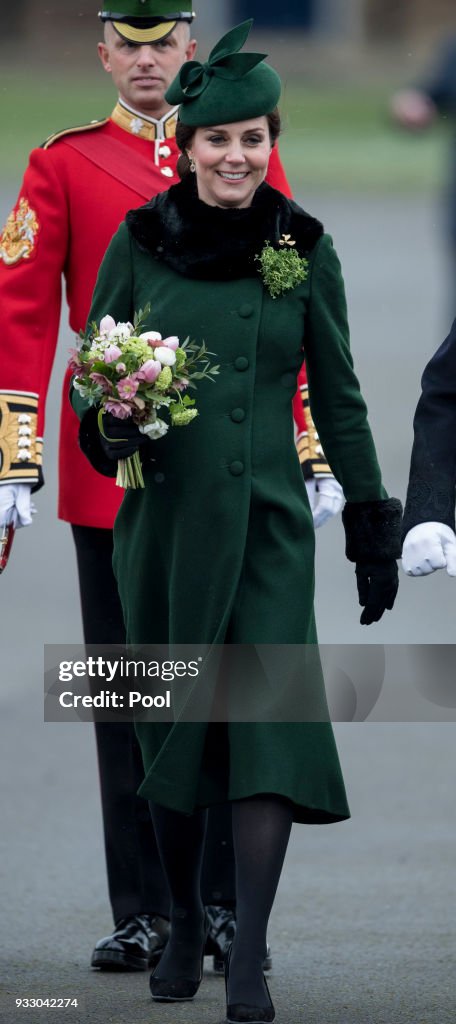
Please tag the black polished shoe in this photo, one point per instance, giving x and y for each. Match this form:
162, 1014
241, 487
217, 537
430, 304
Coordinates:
136, 943
178, 990
222, 929
243, 1013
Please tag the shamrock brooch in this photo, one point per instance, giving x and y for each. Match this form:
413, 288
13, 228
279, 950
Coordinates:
282, 269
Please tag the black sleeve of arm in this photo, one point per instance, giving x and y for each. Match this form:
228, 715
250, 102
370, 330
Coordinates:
432, 480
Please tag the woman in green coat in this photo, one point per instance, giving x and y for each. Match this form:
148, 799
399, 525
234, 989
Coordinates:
219, 546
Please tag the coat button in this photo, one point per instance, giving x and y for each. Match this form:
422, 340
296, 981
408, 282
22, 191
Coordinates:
165, 151
167, 171
245, 310
241, 363
238, 415
236, 468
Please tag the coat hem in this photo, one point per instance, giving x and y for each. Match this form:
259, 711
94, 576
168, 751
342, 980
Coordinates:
155, 790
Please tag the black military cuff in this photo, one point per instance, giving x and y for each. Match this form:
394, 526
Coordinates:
40, 482
428, 503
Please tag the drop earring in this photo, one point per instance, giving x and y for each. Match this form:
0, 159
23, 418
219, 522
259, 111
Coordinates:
192, 163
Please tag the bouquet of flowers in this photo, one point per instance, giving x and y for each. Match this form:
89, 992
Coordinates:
133, 375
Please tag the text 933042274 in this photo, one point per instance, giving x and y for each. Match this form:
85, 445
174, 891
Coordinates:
47, 1003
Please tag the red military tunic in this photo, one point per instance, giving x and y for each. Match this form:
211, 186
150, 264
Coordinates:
76, 191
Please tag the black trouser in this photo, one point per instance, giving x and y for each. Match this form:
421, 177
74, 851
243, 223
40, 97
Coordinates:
135, 879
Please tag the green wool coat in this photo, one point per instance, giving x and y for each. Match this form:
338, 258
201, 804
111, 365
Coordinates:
220, 543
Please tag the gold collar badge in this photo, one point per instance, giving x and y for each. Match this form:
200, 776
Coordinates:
143, 127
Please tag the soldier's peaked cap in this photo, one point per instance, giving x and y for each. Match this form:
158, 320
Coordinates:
146, 21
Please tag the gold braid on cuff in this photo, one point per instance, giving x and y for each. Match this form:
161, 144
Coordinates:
308, 444
20, 449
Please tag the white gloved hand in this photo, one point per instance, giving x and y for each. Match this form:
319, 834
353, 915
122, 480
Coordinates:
326, 498
427, 547
16, 505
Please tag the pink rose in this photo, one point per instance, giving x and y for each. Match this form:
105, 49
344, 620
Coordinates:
111, 353
171, 342
127, 387
149, 371
103, 381
120, 409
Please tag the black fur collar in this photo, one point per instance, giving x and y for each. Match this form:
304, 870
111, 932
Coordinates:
210, 243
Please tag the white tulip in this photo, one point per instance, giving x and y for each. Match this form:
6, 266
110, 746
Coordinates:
166, 356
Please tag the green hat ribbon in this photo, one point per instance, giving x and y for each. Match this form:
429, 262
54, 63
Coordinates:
224, 62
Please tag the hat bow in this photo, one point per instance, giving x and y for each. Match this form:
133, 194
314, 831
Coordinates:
224, 62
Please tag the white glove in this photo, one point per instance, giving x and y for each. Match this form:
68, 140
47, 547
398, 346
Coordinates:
16, 505
427, 547
326, 498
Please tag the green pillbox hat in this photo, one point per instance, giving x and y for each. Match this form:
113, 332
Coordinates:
230, 86
145, 21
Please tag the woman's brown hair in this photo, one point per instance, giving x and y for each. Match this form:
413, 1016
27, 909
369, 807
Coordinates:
185, 133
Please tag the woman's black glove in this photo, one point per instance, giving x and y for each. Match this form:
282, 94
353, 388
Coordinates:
373, 541
377, 588
120, 438
104, 453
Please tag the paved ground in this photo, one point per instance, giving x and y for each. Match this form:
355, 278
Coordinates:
363, 929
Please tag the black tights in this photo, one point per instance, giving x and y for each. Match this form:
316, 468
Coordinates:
261, 829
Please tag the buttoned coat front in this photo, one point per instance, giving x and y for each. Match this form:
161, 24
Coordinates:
219, 546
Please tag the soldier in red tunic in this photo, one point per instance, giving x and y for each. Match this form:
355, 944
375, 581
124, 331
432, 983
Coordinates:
76, 190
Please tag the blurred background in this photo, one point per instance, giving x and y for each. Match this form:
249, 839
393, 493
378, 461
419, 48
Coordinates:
382, 192
340, 62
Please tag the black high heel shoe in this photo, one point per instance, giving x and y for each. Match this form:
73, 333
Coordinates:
243, 1013
180, 989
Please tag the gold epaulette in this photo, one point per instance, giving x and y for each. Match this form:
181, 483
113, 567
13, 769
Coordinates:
73, 131
310, 451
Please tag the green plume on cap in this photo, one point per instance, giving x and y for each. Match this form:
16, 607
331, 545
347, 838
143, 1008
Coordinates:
203, 92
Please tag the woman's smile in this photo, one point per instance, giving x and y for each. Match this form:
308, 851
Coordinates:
233, 176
